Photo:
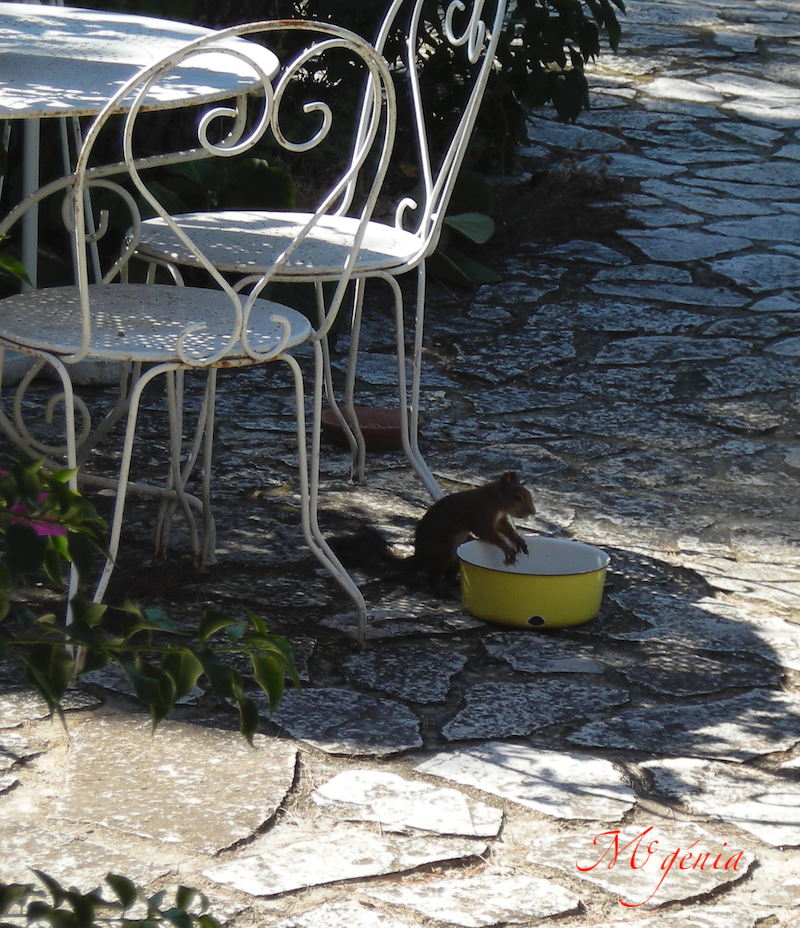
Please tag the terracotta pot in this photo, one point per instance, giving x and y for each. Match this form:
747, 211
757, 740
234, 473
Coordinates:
381, 428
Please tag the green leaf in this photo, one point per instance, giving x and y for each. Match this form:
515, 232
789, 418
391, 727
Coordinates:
224, 679
237, 629
248, 718
613, 27
49, 668
476, 227
87, 612
124, 889
269, 675
184, 668
452, 265
258, 623
153, 687
210, 623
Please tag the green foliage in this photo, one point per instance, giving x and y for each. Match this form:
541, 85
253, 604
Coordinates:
126, 906
45, 525
451, 263
249, 183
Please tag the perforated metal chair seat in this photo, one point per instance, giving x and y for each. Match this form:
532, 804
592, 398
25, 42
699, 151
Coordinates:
142, 322
244, 242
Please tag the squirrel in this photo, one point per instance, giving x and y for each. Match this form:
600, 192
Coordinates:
482, 512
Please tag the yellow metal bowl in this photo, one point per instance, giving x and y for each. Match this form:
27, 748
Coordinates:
557, 583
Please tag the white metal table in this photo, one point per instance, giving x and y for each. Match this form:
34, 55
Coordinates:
64, 61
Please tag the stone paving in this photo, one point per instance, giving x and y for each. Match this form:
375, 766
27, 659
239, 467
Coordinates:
641, 769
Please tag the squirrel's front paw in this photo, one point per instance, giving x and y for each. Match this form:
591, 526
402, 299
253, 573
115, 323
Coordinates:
511, 557
521, 545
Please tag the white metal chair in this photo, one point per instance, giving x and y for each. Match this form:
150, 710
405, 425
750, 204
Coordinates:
234, 240
163, 330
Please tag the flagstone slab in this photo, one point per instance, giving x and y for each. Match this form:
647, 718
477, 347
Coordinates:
760, 228
155, 785
291, 857
73, 860
760, 272
17, 746
345, 914
749, 375
20, 706
591, 252
776, 582
646, 866
679, 294
698, 916
758, 325
748, 725
683, 245
679, 671
418, 673
484, 900
672, 88
539, 654
668, 349
677, 193
625, 164
790, 347
779, 303
624, 315
736, 189
785, 115
767, 805
496, 710
400, 804
561, 784
781, 173
340, 721
709, 624
403, 614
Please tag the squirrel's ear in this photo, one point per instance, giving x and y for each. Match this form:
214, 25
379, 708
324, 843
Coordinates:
510, 476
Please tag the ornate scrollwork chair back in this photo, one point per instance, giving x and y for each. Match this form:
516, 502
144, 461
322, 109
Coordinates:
469, 30
160, 330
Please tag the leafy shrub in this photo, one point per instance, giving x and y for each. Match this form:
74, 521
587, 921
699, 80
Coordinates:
58, 907
44, 526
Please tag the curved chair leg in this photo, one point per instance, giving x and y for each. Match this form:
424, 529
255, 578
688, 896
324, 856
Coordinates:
416, 379
71, 439
124, 473
349, 425
359, 457
207, 413
309, 484
409, 427
179, 474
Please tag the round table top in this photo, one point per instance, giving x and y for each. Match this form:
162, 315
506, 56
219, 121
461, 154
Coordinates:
64, 61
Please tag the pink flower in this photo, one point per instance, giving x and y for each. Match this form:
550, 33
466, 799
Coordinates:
44, 526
